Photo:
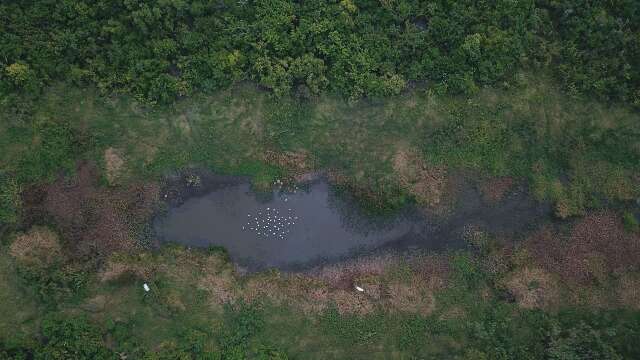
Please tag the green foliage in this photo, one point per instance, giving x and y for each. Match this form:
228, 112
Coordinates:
631, 223
192, 344
54, 149
10, 200
163, 50
466, 271
569, 158
240, 326
286, 123
580, 342
68, 337
414, 332
599, 47
20, 76
353, 329
122, 334
14, 351
55, 284
497, 334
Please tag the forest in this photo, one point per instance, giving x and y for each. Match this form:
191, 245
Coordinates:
159, 51
400, 103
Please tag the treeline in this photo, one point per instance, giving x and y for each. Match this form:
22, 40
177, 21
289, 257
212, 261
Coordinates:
163, 49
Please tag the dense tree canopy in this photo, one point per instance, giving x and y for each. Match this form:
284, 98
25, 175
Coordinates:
162, 49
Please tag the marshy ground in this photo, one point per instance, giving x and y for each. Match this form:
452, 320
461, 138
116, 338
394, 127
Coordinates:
532, 209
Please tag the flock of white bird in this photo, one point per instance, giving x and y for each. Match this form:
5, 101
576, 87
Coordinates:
270, 223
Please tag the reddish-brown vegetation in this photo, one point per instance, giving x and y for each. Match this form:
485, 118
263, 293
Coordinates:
95, 219
495, 189
596, 248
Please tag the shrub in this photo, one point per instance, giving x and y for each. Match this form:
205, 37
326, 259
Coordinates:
68, 337
580, 342
631, 223
10, 201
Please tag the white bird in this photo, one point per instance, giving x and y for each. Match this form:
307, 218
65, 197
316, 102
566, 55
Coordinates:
359, 288
146, 287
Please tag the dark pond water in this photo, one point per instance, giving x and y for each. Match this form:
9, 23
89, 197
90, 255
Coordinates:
312, 223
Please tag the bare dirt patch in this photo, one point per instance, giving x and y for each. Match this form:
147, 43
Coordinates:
426, 184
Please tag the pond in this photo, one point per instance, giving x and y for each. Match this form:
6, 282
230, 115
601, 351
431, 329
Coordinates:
306, 225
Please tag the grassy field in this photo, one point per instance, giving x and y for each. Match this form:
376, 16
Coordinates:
576, 154
434, 306
561, 291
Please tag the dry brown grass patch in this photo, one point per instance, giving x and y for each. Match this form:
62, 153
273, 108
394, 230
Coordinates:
350, 302
119, 267
38, 247
113, 164
455, 312
298, 163
220, 287
174, 301
342, 275
264, 286
533, 288
426, 184
309, 294
413, 296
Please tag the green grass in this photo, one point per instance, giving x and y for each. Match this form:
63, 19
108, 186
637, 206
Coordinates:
575, 153
178, 318
19, 312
